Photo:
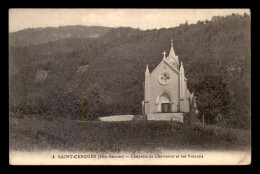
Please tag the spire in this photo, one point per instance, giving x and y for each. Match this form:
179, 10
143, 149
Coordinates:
147, 73
172, 53
181, 68
182, 83
173, 58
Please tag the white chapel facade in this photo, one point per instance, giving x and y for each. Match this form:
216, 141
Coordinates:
166, 96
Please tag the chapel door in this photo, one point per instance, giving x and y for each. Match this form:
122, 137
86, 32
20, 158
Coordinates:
166, 107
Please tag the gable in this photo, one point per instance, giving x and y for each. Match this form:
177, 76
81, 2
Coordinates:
166, 63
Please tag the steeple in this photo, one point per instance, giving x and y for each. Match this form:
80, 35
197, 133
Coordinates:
173, 58
172, 53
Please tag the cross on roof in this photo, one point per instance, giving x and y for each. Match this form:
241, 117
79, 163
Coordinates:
164, 54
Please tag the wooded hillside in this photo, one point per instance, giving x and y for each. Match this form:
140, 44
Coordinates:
86, 77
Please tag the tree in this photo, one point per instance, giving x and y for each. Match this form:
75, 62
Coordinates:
212, 99
93, 106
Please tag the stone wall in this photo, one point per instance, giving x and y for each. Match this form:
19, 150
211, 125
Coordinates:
178, 117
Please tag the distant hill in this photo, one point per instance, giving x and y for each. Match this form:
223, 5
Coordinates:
42, 35
95, 76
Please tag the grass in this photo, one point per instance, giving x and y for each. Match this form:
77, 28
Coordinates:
35, 132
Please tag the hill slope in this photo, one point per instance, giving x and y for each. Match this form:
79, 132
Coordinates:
42, 35
104, 76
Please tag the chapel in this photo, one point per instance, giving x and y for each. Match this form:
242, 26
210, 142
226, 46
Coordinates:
166, 96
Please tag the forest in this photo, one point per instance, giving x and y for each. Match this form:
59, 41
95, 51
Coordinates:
81, 72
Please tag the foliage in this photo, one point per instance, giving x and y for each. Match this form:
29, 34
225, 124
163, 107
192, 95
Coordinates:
212, 99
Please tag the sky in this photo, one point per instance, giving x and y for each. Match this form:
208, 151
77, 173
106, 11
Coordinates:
136, 18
